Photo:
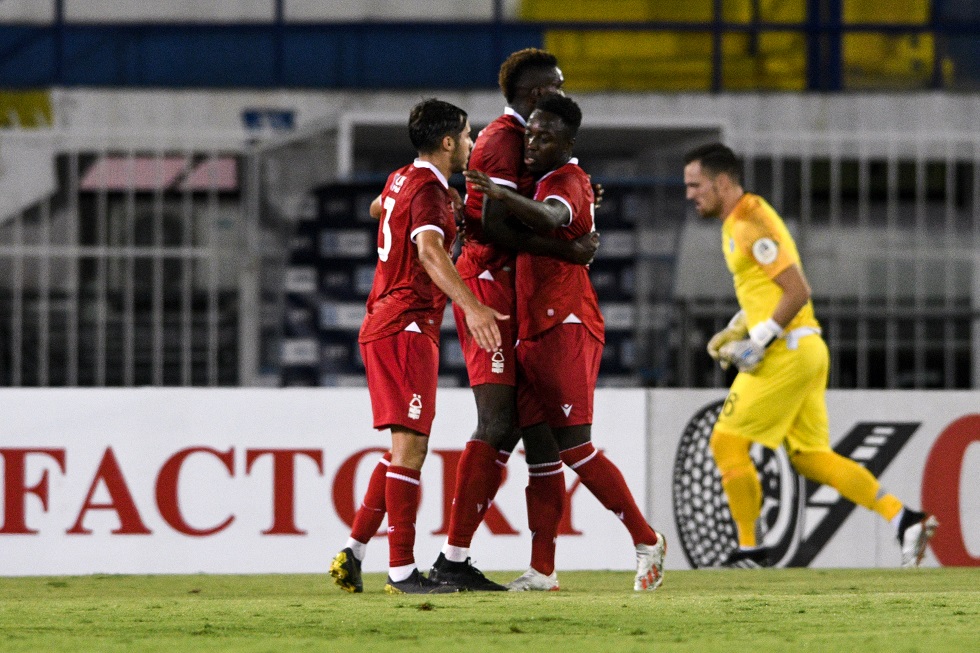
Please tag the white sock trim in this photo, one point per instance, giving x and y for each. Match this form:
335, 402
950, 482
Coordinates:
402, 477
455, 553
359, 548
398, 574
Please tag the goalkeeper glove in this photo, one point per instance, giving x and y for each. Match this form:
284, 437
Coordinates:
747, 354
736, 330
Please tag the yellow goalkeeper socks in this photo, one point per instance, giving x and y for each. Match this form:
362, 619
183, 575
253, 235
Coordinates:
853, 481
740, 481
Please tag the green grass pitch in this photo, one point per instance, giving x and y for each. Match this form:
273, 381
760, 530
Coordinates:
853, 610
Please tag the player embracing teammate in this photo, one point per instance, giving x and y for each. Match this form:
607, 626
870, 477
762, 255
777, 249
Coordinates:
555, 420
560, 328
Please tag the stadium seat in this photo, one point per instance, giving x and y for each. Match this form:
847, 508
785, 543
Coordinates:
602, 60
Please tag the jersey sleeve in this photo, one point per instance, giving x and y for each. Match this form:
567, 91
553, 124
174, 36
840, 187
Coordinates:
571, 191
430, 209
759, 238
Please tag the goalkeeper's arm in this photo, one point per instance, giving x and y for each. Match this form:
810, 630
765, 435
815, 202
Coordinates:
747, 353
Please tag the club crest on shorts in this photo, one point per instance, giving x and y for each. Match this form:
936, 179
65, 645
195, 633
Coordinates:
415, 407
497, 362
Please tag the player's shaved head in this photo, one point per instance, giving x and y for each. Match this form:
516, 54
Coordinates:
716, 158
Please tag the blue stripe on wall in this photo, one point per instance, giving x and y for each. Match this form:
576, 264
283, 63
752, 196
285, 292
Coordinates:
357, 55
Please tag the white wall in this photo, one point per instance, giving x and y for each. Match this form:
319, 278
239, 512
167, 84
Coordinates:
851, 120
101, 454
43, 11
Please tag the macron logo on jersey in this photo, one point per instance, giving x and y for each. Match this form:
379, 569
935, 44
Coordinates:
567, 409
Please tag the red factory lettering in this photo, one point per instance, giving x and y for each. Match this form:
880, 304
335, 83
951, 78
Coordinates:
168, 498
15, 488
283, 485
110, 481
941, 480
121, 500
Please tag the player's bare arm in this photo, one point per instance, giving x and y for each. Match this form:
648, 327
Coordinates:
748, 352
796, 293
542, 217
375, 209
480, 319
509, 233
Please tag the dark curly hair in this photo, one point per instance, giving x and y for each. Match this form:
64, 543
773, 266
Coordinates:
520, 62
565, 108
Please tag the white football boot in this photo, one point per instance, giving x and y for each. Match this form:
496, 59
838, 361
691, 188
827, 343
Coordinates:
533, 580
650, 564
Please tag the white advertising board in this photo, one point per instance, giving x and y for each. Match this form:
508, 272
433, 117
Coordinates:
924, 446
267, 481
256, 481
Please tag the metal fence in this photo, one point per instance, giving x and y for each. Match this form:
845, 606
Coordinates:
888, 226
165, 265
124, 270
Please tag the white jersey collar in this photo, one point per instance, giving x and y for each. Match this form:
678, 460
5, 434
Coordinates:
573, 161
510, 112
419, 163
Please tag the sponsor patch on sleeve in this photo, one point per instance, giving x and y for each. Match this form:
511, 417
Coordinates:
765, 250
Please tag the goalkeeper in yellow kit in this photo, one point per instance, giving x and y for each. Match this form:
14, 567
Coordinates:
778, 397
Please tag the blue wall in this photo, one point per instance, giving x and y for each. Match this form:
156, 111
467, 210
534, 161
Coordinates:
349, 56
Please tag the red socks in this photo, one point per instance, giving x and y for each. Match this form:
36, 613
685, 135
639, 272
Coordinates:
606, 482
545, 494
402, 500
367, 520
477, 481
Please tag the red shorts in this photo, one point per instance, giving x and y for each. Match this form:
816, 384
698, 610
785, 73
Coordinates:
402, 375
557, 376
482, 366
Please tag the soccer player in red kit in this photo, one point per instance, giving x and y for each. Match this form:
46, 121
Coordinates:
559, 325
399, 337
486, 264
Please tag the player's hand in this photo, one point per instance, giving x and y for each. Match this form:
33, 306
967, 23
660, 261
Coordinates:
597, 191
481, 322
584, 248
744, 354
736, 329
480, 180
457, 200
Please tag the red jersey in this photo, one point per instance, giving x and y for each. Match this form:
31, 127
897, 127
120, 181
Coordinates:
551, 291
415, 198
498, 152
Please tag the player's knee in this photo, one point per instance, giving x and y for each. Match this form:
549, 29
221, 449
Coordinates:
409, 451
540, 446
497, 431
731, 454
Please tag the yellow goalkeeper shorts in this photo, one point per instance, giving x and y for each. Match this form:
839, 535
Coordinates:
784, 399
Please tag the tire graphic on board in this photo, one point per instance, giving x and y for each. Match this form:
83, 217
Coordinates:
701, 514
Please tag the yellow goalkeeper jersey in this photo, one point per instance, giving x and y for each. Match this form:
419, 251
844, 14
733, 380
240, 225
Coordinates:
757, 248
